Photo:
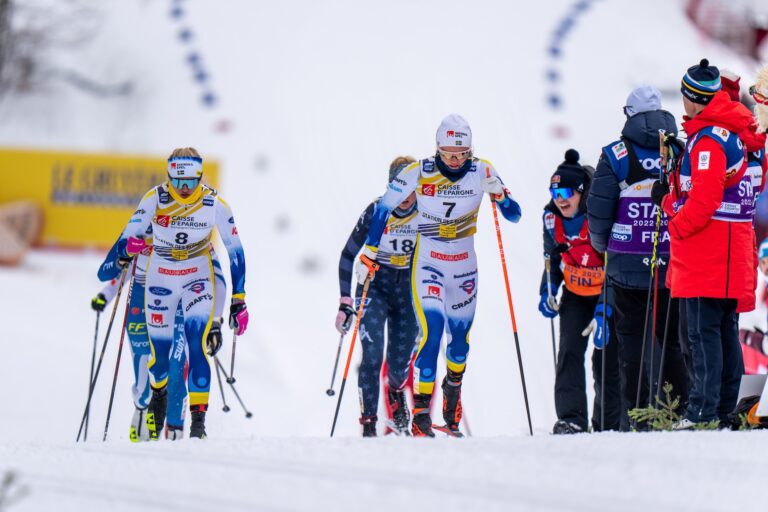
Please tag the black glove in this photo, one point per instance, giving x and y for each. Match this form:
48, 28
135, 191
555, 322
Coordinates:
99, 302
214, 338
124, 261
658, 191
559, 249
345, 316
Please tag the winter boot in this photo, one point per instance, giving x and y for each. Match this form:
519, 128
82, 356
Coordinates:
174, 433
156, 412
422, 421
452, 400
369, 425
401, 417
566, 427
197, 428
139, 431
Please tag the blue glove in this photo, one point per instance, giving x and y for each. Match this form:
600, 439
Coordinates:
545, 307
601, 332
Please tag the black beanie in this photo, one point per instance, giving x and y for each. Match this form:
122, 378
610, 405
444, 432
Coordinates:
569, 174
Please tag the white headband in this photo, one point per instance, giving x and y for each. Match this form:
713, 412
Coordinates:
185, 167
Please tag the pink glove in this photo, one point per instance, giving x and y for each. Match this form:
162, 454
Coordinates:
238, 316
345, 315
135, 245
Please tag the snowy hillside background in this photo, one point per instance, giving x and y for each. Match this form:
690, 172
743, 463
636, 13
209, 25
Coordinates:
311, 101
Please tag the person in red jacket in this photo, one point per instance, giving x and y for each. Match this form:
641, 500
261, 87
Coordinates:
710, 202
754, 140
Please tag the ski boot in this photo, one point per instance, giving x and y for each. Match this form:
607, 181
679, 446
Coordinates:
401, 417
422, 421
156, 412
369, 425
197, 428
139, 431
566, 427
174, 433
452, 403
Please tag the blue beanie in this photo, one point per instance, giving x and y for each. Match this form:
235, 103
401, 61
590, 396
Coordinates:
701, 83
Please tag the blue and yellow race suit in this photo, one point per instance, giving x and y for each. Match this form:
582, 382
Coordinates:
444, 277
181, 273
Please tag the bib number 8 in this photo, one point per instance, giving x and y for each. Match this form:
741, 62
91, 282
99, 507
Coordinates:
181, 238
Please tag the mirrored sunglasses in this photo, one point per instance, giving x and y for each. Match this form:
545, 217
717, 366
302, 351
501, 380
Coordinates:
179, 183
562, 193
446, 155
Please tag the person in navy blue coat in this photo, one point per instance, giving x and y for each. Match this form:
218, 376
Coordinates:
622, 220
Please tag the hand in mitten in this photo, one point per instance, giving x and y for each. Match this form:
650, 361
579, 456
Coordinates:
214, 338
601, 332
366, 266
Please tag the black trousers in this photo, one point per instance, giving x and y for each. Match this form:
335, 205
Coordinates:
713, 332
629, 310
570, 380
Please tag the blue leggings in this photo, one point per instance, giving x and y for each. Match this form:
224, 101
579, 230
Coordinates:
388, 302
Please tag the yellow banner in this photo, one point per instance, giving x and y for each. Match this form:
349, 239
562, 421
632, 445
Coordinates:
86, 198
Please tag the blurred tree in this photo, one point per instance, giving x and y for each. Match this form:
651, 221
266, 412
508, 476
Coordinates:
32, 31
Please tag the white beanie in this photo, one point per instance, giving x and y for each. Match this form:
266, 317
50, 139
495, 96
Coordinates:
454, 131
644, 98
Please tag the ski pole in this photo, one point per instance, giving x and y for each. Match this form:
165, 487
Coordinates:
248, 414
511, 308
553, 304
360, 309
231, 378
119, 351
606, 340
93, 361
665, 143
668, 165
330, 391
101, 356
663, 349
221, 388
466, 423
645, 323
652, 360
648, 308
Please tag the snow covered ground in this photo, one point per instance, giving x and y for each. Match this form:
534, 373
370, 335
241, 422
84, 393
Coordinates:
320, 96
705, 472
